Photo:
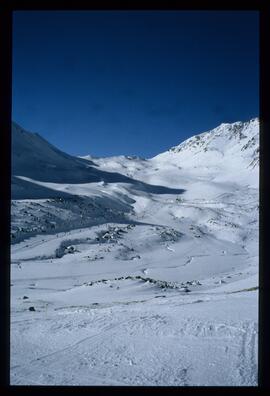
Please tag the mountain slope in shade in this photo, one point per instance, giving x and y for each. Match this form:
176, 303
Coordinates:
34, 157
38, 168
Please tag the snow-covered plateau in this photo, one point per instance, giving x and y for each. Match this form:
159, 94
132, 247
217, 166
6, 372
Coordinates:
132, 271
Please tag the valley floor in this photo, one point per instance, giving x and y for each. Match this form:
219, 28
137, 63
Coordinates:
126, 304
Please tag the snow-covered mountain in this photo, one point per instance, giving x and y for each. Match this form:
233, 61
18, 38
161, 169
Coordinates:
221, 150
132, 271
39, 169
34, 157
230, 151
228, 144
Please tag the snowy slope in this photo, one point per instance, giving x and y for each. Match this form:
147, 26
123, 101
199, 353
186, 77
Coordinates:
34, 157
237, 142
228, 152
214, 155
144, 275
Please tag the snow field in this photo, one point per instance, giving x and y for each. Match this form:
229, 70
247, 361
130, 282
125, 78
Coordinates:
148, 280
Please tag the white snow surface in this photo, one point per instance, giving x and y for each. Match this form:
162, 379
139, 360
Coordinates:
132, 271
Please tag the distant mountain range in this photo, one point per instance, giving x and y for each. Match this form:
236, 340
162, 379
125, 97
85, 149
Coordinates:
229, 149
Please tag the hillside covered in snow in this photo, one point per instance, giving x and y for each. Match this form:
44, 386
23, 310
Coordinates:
133, 271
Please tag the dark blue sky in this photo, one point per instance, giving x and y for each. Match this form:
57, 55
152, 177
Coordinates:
132, 82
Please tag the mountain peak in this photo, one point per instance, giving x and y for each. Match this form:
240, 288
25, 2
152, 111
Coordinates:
228, 145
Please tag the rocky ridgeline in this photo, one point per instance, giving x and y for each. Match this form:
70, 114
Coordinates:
182, 287
232, 142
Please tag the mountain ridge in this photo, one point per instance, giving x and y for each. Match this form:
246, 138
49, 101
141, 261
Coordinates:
202, 141
245, 134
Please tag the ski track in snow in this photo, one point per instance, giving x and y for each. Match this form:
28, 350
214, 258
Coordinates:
247, 356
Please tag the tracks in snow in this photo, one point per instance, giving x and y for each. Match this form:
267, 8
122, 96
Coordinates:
248, 365
97, 357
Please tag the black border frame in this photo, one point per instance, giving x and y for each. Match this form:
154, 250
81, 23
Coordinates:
6, 11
